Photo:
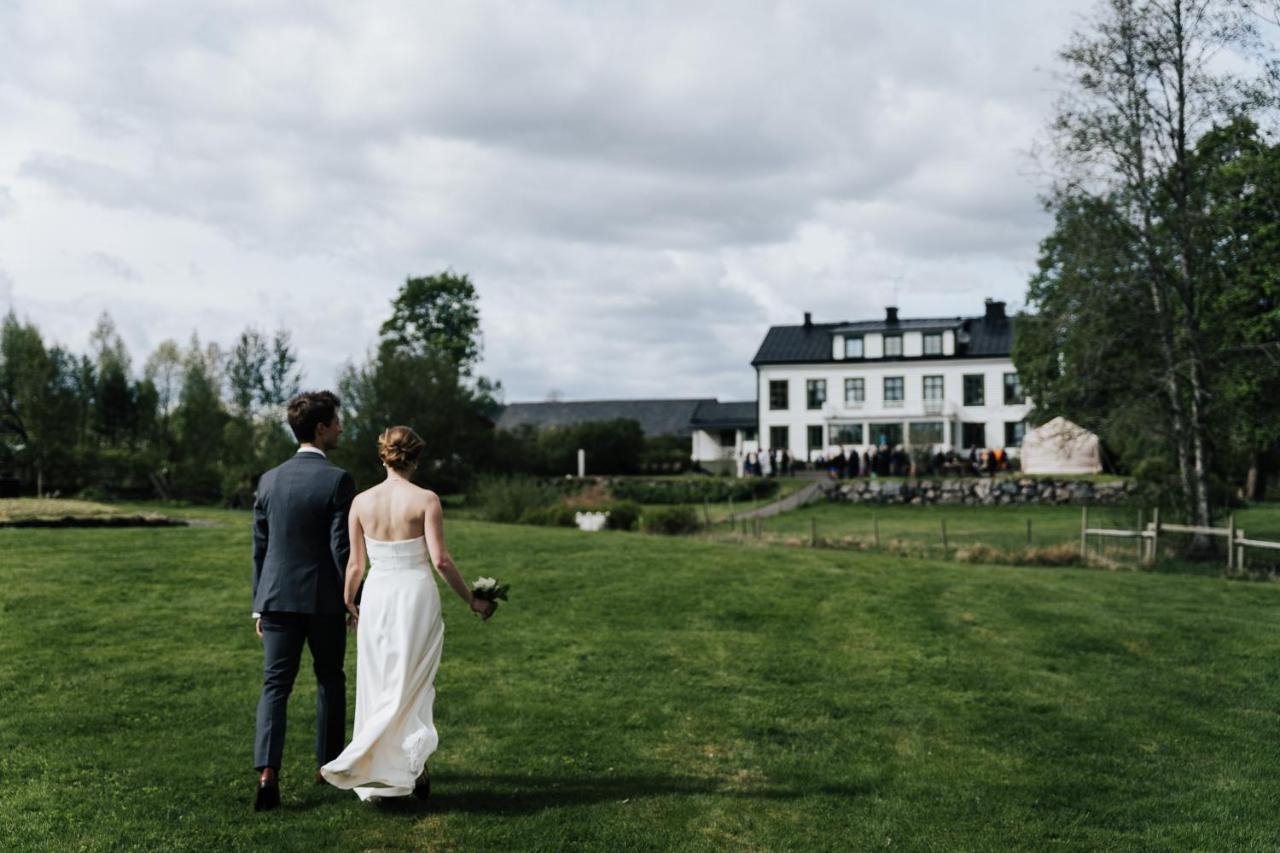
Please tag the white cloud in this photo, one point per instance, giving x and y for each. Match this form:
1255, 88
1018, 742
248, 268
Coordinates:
638, 190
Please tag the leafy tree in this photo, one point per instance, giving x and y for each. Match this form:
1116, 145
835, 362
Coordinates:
1130, 263
115, 403
436, 316
199, 422
283, 378
246, 372
420, 375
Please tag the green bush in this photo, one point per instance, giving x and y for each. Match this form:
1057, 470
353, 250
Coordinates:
551, 516
670, 520
692, 490
508, 499
623, 515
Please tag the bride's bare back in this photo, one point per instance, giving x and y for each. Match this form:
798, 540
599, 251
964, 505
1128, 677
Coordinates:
394, 510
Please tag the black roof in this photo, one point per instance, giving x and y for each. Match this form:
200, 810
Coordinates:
656, 417
810, 344
714, 415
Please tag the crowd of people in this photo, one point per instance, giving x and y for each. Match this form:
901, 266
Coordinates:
882, 461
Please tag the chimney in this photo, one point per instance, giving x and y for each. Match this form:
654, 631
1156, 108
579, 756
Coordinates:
891, 314
808, 319
995, 310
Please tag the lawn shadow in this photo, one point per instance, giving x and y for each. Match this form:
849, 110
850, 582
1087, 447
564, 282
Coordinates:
516, 794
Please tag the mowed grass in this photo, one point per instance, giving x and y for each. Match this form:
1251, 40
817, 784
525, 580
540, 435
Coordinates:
641, 693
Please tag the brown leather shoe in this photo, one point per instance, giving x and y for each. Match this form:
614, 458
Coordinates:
320, 780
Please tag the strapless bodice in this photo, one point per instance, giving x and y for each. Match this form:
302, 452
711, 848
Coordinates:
399, 554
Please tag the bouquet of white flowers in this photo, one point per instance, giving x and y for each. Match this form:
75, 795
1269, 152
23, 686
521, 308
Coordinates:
488, 589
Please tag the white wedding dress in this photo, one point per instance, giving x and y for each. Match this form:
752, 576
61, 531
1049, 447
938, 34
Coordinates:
398, 642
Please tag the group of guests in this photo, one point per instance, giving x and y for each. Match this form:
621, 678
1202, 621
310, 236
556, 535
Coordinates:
769, 463
882, 461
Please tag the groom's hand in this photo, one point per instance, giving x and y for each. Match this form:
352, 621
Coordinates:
353, 614
257, 627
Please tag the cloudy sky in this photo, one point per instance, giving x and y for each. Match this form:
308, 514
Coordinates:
638, 189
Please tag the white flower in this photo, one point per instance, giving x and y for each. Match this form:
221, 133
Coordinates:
486, 583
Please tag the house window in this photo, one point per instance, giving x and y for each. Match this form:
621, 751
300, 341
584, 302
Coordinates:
933, 343
816, 393
778, 438
973, 435
887, 435
893, 346
815, 438
749, 434
853, 347
975, 389
777, 394
1013, 433
728, 438
847, 434
1013, 390
855, 391
893, 389
933, 388
924, 433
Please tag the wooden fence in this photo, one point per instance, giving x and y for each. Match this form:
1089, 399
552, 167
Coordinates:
1147, 538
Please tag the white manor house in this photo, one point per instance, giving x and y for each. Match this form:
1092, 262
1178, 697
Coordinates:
944, 383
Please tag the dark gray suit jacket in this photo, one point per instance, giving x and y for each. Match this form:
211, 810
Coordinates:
300, 541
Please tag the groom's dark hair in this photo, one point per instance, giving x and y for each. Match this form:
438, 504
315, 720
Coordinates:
310, 409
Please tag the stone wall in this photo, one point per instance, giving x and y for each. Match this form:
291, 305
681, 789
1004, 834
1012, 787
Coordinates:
983, 492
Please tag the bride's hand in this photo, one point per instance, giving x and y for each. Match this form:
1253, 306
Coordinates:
484, 608
353, 614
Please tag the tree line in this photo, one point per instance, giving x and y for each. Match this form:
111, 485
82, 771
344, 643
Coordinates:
1154, 316
201, 422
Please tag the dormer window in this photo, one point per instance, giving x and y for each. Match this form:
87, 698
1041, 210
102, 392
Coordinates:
933, 343
893, 346
853, 347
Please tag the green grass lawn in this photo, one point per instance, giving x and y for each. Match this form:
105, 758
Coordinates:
642, 693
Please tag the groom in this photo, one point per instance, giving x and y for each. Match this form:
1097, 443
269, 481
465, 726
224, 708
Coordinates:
300, 548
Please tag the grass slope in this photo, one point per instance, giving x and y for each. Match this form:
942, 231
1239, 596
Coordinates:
642, 693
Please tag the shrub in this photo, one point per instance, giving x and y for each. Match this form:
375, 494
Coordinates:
691, 490
623, 515
507, 499
551, 516
670, 520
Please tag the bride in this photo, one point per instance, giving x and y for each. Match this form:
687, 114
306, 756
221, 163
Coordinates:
399, 630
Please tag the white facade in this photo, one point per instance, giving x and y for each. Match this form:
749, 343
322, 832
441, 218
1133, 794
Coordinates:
722, 450
914, 421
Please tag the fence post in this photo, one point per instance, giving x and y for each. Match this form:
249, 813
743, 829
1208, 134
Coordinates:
1155, 535
1231, 544
1084, 537
1028, 533
706, 512
875, 525
813, 533
944, 537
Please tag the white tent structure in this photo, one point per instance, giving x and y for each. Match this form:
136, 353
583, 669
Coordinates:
1060, 447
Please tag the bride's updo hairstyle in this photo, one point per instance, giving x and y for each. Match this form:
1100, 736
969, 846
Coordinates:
399, 448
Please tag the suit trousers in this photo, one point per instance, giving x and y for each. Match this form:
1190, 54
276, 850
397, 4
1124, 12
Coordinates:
283, 635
